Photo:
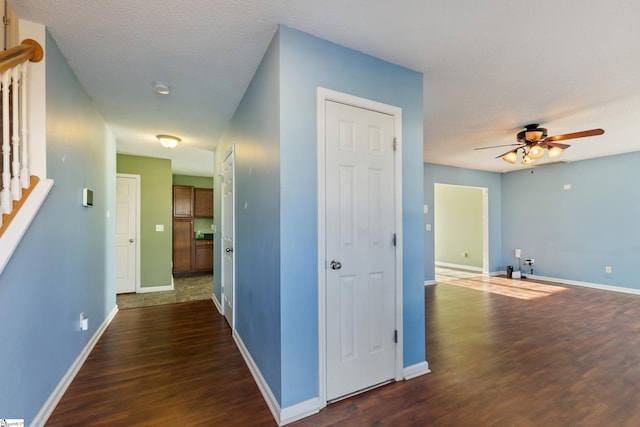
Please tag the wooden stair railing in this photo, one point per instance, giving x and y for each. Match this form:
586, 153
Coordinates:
15, 179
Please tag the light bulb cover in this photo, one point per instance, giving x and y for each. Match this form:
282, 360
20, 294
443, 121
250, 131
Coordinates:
555, 152
526, 160
162, 88
536, 151
511, 157
168, 141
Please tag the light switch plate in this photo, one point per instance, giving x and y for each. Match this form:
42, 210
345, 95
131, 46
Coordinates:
159, 227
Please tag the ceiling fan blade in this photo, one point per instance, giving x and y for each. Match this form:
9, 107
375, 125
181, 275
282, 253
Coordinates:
496, 146
592, 132
549, 144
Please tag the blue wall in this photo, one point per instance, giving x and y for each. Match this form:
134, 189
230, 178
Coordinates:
275, 134
65, 262
458, 176
306, 63
573, 234
254, 130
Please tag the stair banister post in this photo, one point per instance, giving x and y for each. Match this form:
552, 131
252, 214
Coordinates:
5, 194
16, 190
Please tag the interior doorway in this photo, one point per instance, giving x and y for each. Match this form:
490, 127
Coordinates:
461, 231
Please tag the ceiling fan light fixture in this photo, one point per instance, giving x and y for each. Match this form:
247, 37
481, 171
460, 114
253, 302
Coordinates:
168, 141
536, 151
511, 157
526, 160
555, 152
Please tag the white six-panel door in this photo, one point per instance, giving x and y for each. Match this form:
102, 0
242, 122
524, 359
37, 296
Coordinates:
360, 251
127, 197
227, 231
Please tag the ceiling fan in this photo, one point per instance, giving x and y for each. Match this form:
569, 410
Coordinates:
534, 144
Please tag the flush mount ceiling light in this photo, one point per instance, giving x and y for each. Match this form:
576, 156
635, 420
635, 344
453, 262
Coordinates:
168, 141
161, 88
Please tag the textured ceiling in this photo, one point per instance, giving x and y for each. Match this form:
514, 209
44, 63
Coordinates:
489, 67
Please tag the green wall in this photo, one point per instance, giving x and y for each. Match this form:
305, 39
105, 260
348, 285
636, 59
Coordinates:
155, 208
199, 224
195, 181
458, 225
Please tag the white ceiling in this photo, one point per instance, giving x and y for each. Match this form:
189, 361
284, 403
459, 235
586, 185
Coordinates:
490, 67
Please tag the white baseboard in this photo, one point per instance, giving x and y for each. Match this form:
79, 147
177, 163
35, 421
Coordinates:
147, 289
51, 403
267, 394
216, 303
416, 370
621, 289
458, 266
429, 282
282, 416
298, 411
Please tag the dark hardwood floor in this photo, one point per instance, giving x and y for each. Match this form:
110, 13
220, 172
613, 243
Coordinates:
502, 353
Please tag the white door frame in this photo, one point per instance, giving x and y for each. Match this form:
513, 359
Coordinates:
137, 181
230, 152
485, 223
485, 232
324, 95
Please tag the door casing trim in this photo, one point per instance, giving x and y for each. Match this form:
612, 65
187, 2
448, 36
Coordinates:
324, 95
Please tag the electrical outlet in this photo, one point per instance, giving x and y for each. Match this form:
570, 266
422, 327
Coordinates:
84, 322
608, 269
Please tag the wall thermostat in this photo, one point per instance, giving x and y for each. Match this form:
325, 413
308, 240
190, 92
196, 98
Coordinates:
87, 197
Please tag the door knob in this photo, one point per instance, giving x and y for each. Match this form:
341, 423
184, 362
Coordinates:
130, 240
228, 250
335, 265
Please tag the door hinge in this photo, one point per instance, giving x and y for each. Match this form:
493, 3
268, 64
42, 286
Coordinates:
395, 240
395, 143
395, 336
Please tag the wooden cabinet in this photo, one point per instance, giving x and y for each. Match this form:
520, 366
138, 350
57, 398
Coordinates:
203, 202
204, 255
191, 256
182, 201
183, 248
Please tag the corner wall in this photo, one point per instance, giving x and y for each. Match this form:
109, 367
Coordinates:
308, 62
255, 132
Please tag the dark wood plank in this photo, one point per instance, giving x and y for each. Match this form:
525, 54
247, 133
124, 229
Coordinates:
503, 353
174, 364
548, 355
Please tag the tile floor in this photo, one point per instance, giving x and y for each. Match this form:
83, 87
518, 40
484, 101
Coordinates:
184, 289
